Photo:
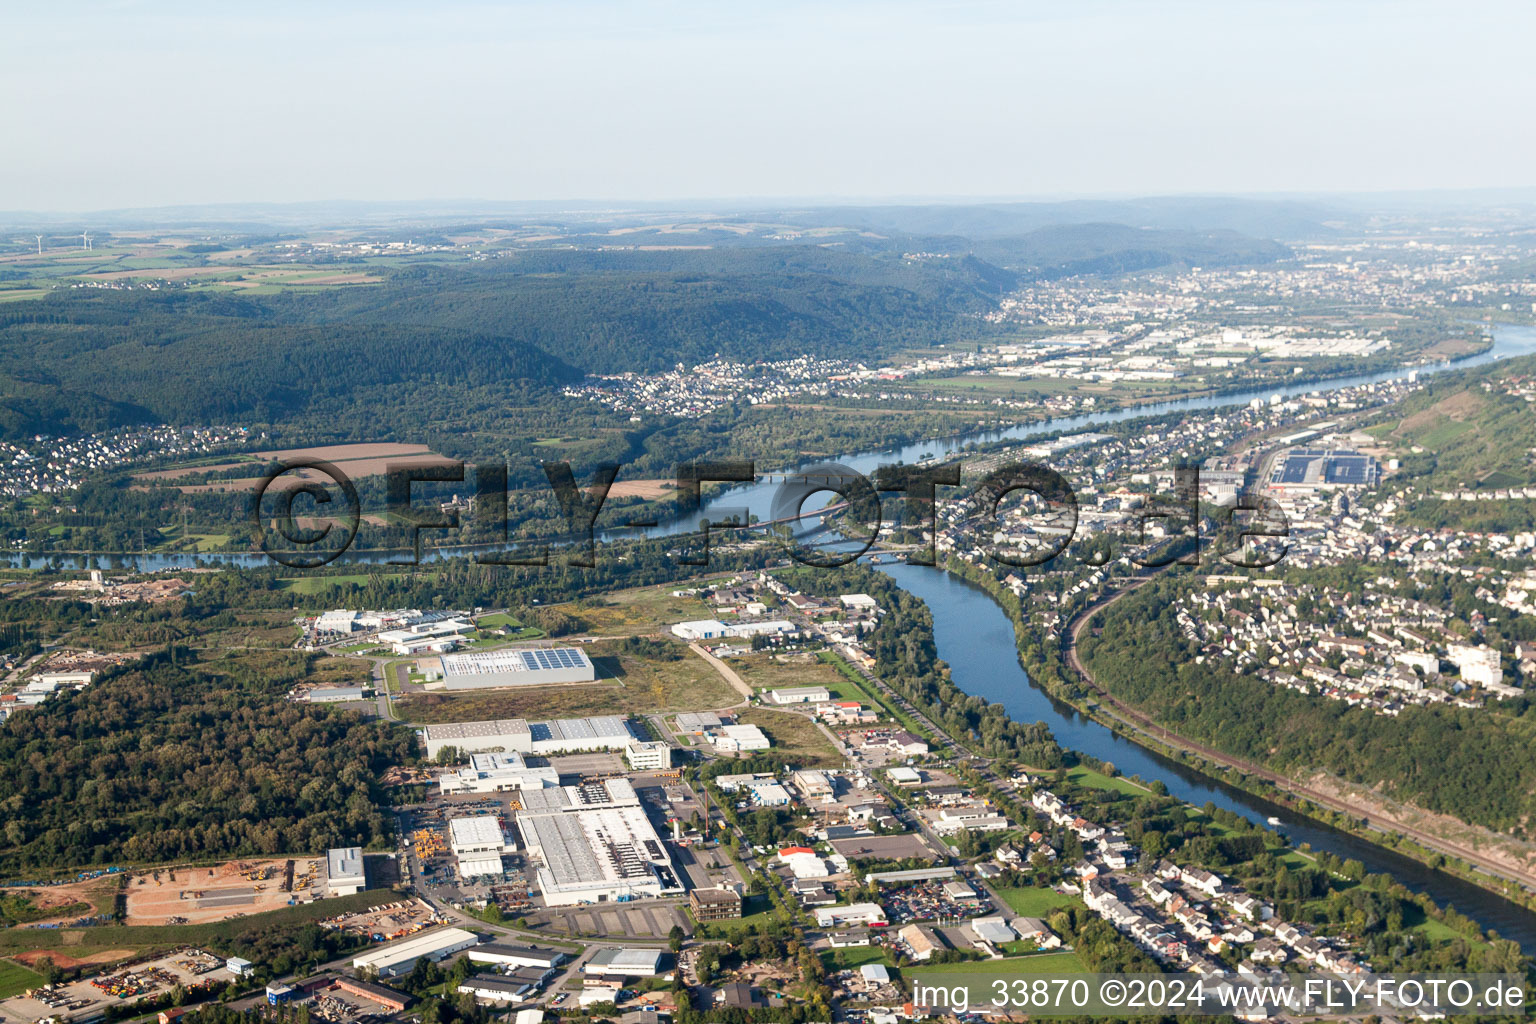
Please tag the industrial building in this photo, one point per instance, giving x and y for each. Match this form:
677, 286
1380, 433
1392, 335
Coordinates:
1304, 470
698, 723
714, 904
339, 621
714, 629
426, 636
767, 793
732, 739
509, 955
344, 872
497, 773
478, 844
853, 914
539, 666
801, 695
649, 755
335, 694
478, 834
627, 963
385, 997
399, 957
509, 988
595, 843
564, 736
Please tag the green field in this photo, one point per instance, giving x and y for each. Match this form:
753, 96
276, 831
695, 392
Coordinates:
1098, 780
16, 979
1036, 902
856, 956
1009, 967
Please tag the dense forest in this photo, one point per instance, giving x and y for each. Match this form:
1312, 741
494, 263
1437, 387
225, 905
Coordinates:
179, 758
1478, 765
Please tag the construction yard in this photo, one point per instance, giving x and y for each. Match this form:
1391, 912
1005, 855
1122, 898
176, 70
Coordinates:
189, 968
386, 922
205, 895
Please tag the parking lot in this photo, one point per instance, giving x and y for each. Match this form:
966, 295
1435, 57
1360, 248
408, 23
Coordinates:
648, 920
926, 902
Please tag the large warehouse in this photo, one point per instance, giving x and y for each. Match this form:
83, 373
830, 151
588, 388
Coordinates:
595, 843
1304, 470
400, 957
537, 666
563, 736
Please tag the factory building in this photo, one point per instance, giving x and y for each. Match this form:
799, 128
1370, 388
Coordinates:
734, 738
853, 914
344, 874
426, 636
625, 963
714, 629
564, 736
335, 694
339, 621
478, 843
399, 957
511, 955
1307, 470
539, 666
801, 695
649, 755
478, 834
497, 773
595, 844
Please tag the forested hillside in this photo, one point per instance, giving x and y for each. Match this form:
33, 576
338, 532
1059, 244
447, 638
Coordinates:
1478, 765
606, 312
85, 360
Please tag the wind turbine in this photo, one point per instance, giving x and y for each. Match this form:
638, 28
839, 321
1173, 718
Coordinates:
85, 240
39, 245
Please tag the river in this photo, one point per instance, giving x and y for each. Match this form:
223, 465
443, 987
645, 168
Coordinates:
974, 635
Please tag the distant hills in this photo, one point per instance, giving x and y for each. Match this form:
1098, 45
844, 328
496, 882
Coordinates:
1284, 219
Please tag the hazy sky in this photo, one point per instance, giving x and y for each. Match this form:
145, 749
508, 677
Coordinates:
114, 104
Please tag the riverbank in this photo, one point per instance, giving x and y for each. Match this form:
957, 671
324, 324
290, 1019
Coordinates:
1336, 809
